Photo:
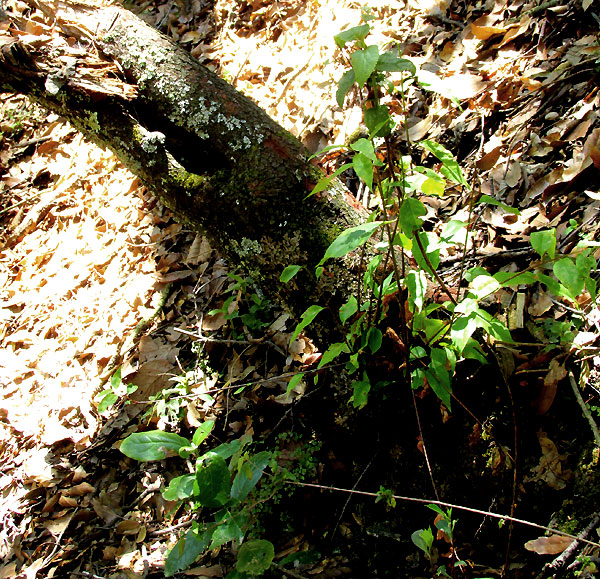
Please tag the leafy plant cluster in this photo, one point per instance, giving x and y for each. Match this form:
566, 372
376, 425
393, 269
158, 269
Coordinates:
405, 264
246, 309
224, 482
435, 336
221, 481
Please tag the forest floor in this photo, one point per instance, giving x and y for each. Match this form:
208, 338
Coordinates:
95, 276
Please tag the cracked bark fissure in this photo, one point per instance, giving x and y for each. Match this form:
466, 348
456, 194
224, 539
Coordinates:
208, 152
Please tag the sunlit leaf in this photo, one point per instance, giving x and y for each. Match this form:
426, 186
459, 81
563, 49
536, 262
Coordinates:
344, 86
294, 381
180, 488
388, 61
186, 551
544, 242
416, 281
363, 167
364, 62
229, 528
450, 168
491, 201
352, 34
410, 214
567, 273
202, 432
333, 352
365, 147
249, 474
349, 240
348, 309
152, 445
307, 317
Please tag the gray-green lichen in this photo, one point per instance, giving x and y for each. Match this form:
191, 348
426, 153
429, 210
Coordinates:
247, 247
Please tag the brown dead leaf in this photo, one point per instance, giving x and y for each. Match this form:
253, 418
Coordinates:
106, 507
79, 490
128, 527
546, 396
549, 470
552, 545
58, 526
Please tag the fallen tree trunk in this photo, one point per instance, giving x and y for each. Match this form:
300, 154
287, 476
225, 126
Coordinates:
212, 156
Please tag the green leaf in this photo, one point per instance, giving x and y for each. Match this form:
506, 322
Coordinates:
493, 327
430, 244
202, 432
388, 61
433, 187
186, 551
365, 147
550, 283
364, 62
360, 389
423, 539
227, 449
294, 381
567, 273
510, 279
249, 474
348, 309
229, 528
180, 488
363, 167
344, 86
349, 240
324, 183
491, 201
450, 168
255, 557
462, 330
439, 376
307, 317
375, 340
352, 34
333, 352
455, 233
378, 121
107, 399
416, 282
115, 380
152, 445
544, 242
289, 272
213, 482
410, 214
484, 285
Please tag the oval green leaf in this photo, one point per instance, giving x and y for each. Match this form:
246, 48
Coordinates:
213, 480
255, 557
364, 62
289, 272
349, 240
152, 445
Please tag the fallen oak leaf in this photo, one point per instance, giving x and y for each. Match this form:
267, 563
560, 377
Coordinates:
552, 545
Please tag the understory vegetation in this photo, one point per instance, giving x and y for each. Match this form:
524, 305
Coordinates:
450, 432
411, 327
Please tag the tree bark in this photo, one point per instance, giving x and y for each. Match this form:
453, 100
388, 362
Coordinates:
210, 154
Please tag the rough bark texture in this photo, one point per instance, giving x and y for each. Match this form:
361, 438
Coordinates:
207, 151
